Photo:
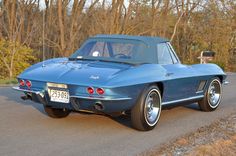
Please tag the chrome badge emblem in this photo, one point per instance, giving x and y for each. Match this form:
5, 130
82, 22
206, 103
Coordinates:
94, 77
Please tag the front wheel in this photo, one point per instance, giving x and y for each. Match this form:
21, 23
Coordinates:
146, 113
56, 112
212, 97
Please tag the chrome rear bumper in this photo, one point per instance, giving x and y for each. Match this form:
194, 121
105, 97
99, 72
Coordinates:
42, 93
25, 90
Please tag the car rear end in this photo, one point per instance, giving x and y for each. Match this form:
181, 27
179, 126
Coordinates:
79, 97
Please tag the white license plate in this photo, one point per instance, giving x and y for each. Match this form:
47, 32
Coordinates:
59, 95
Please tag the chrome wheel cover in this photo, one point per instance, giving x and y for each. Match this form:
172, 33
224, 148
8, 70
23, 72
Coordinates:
214, 93
152, 108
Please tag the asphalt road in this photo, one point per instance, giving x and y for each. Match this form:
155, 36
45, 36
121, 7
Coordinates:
26, 130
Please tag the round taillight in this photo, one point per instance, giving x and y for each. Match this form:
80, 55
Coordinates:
28, 84
90, 90
100, 91
22, 83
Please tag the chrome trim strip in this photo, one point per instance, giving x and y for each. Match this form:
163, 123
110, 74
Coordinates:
201, 91
225, 82
100, 98
183, 100
25, 90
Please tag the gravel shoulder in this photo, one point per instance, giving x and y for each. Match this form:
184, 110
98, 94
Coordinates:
219, 138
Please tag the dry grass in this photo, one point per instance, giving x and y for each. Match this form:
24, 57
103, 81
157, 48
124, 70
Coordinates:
217, 139
8, 81
218, 148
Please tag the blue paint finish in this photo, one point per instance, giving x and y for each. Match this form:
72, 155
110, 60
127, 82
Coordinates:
119, 79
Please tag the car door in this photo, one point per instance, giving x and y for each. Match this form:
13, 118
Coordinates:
180, 79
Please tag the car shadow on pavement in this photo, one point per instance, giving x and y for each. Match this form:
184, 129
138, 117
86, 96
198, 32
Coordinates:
193, 106
123, 120
15, 96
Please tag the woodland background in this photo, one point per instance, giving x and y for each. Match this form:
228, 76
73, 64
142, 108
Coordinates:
191, 25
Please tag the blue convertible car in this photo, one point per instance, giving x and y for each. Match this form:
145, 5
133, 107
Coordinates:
136, 75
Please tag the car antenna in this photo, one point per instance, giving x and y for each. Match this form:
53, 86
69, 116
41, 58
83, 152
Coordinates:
43, 37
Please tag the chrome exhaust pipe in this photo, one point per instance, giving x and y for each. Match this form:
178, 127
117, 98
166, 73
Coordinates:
98, 106
26, 97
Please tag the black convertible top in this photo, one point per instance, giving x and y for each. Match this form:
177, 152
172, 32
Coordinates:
146, 39
144, 54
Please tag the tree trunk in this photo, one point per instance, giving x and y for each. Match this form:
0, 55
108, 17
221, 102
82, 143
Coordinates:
12, 19
61, 28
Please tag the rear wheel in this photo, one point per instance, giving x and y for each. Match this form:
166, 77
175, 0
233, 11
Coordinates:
212, 97
146, 113
55, 112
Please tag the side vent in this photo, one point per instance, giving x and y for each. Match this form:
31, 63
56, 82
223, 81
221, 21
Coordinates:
201, 86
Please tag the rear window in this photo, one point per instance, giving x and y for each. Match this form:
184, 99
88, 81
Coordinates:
114, 49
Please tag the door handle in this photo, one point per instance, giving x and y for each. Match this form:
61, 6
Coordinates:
169, 74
